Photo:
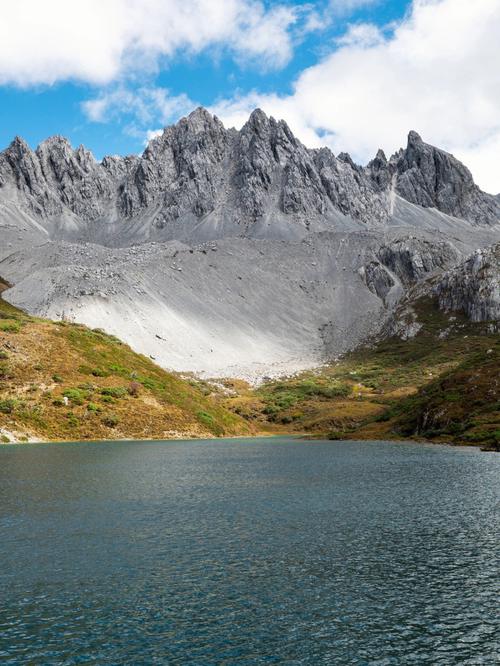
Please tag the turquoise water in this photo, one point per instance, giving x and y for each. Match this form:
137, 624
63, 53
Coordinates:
263, 551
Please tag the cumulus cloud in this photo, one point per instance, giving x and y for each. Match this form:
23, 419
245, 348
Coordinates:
138, 109
97, 41
436, 72
145, 105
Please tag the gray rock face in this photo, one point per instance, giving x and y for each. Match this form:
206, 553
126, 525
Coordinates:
378, 279
55, 177
196, 171
200, 180
430, 177
413, 258
473, 286
238, 253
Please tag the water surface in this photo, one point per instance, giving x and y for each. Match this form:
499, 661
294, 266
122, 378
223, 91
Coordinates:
273, 551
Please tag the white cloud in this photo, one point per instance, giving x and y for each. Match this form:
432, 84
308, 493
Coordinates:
138, 109
345, 7
362, 35
97, 41
152, 134
483, 160
145, 105
436, 72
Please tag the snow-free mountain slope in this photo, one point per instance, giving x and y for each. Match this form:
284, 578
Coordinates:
233, 252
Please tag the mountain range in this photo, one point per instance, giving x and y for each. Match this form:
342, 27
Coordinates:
244, 253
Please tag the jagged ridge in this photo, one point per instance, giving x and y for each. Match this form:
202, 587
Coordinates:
199, 180
271, 257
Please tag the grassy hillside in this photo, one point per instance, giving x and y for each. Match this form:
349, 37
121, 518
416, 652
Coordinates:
462, 405
61, 381
441, 385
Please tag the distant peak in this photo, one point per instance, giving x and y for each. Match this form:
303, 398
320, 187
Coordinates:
414, 138
258, 115
257, 119
200, 113
346, 158
379, 161
200, 120
18, 143
55, 141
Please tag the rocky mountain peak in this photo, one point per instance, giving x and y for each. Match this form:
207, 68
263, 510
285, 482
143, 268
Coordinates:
57, 152
56, 141
201, 120
18, 145
379, 171
260, 127
345, 157
198, 171
19, 164
257, 120
414, 139
433, 178
124, 244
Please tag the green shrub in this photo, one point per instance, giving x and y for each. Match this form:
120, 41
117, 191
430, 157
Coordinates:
57, 378
92, 407
4, 439
271, 410
99, 372
111, 421
119, 369
76, 396
114, 391
372, 383
456, 428
10, 326
385, 416
3, 355
72, 420
148, 383
337, 390
206, 418
7, 406
58, 402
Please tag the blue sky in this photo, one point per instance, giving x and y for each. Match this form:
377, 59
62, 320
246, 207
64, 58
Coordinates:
41, 110
353, 74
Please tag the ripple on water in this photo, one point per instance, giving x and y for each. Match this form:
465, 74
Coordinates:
248, 551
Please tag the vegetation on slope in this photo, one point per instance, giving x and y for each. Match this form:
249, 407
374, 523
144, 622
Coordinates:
441, 385
61, 381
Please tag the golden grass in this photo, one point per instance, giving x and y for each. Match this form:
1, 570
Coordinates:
54, 376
